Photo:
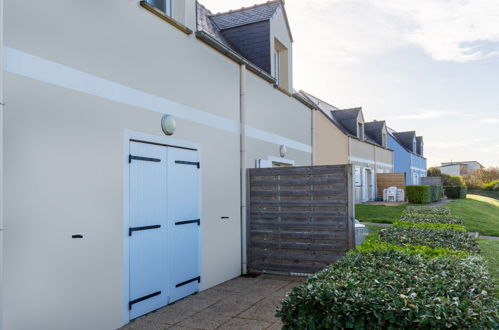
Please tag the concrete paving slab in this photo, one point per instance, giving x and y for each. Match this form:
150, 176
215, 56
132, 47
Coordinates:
242, 303
244, 324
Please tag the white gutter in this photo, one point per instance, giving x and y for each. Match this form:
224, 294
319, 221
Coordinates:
1, 164
312, 130
242, 162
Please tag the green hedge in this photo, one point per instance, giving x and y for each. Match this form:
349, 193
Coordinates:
373, 243
440, 210
430, 218
434, 238
423, 194
455, 192
418, 194
430, 225
394, 290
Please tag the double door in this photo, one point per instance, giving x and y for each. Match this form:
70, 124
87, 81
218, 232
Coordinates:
164, 220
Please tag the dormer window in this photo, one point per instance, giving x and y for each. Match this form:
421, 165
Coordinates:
385, 142
164, 5
277, 67
414, 147
360, 131
281, 65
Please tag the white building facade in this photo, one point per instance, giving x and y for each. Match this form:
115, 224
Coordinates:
90, 179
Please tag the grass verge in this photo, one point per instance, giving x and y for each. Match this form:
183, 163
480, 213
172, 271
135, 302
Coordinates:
490, 251
480, 214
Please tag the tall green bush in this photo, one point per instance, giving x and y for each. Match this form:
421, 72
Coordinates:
455, 192
419, 194
423, 194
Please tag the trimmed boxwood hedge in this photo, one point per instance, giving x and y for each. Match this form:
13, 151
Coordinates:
418, 194
430, 225
456, 192
423, 194
373, 243
430, 218
434, 238
394, 290
440, 210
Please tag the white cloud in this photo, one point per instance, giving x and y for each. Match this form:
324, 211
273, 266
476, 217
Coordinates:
489, 120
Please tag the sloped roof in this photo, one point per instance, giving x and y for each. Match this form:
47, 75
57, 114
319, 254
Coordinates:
338, 117
374, 129
406, 138
205, 23
243, 16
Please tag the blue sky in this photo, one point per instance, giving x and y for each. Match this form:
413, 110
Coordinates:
427, 65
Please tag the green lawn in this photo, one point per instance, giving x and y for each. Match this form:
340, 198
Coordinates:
490, 251
378, 213
480, 214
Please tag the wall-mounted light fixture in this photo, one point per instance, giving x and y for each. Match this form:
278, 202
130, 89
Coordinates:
283, 151
168, 124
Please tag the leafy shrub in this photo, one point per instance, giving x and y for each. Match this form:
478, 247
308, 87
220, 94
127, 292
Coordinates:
423, 194
418, 194
441, 210
394, 290
452, 180
492, 186
434, 238
437, 193
434, 171
430, 225
373, 243
430, 218
456, 192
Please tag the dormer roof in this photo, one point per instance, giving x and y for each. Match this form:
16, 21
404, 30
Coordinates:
345, 120
405, 139
245, 31
374, 130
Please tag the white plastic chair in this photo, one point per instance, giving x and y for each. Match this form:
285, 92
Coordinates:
390, 194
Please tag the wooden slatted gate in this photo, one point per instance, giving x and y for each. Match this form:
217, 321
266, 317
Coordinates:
300, 219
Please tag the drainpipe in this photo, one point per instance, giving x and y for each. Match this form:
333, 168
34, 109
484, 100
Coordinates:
242, 162
1, 164
312, 132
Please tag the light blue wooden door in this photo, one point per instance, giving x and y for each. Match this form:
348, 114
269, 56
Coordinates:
184, 222
148, 230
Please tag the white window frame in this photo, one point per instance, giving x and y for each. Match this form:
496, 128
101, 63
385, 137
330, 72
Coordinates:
277, 67
167, 4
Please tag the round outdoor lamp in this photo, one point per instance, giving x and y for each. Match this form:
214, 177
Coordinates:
283, 151
168, 124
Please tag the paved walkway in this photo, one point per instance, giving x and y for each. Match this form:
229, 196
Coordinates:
242, 303
439, 203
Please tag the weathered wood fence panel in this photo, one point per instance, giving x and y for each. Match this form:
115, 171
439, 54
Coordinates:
386, 180
300, 219
432, 181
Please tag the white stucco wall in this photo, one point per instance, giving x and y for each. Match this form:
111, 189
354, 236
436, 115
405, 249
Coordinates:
72, 90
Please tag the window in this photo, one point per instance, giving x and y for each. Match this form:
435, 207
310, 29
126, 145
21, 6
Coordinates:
277, 67
164, 5
384, 140
360, 131
414, 146
357, 176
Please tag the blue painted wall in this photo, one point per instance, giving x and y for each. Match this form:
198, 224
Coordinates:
406, 162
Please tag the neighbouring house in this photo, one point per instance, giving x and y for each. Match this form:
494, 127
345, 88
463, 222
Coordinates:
107, 215
343, 137
408, 150
460, 168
